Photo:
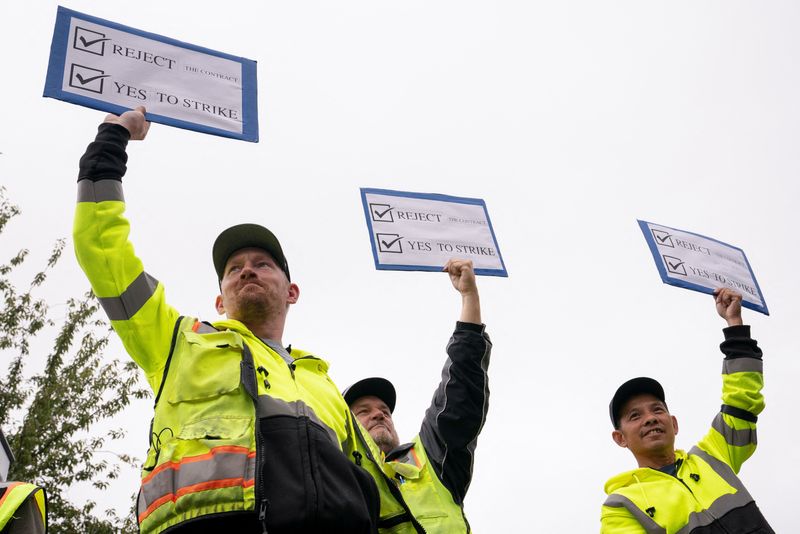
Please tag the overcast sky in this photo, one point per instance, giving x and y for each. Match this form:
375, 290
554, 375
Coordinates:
571, 119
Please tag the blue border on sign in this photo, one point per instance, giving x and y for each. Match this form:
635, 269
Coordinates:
427, 196
651, 243
55, 75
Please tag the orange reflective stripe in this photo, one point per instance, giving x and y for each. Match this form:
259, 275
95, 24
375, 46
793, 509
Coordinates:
222, 467
9, 489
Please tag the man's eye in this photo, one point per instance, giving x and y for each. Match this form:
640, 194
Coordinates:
234, 269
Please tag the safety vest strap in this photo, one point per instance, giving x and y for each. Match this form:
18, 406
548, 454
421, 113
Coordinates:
23, 508
222, 467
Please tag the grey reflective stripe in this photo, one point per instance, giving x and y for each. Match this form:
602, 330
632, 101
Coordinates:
720, 507
720, 468
270, 406
615, 500
125, 306
737, 438
742, 365
725, 503
100, 191
203, 328
222, 467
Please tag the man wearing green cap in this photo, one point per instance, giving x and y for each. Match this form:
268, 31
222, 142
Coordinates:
247, 436
423, 483
698, 492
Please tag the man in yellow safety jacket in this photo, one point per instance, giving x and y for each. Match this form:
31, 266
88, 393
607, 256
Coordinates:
698, 491
22, 505
423, 483
247, 436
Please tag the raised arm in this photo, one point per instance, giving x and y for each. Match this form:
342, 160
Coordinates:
462, 276
732, 437
132, 299
458, 410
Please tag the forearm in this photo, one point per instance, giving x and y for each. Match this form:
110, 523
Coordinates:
458, 410
732, 437
471, 308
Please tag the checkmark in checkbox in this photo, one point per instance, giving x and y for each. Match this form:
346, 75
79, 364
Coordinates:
674, 265
87, 78
390, 243
89, 41
662, 238
381, 212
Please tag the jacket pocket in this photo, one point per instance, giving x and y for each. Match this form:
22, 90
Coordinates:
310, 484
210, 369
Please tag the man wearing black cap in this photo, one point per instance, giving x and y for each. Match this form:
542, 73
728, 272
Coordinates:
423, 483
247, 436
696, 492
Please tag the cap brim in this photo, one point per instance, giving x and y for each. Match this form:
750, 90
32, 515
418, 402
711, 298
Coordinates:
376, 386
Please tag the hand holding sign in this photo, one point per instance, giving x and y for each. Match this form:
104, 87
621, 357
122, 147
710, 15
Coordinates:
729, 305
134, 121
462, 276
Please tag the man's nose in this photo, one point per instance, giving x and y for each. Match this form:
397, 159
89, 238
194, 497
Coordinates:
247, 270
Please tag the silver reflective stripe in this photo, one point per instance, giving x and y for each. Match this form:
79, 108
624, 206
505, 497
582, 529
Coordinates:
125, 306
616, 500
742, 365
230, 466
722, 469
737, 438
270, 406
724, 504
100, 191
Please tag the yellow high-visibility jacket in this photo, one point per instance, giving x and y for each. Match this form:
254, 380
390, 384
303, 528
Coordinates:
422, 484
22, 508
240, 426
705, 495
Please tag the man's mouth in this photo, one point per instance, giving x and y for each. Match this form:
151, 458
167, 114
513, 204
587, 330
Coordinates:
653, 431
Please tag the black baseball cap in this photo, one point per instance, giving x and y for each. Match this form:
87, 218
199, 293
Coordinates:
634, 386
379, 387
246, 236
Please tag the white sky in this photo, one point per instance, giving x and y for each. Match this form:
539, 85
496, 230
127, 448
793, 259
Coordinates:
571, 119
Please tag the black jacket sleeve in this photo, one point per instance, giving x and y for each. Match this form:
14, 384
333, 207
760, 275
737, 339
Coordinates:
105, 158
457, 413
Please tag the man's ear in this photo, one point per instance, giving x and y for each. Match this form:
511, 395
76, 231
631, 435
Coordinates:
619, 438
219, 306
294, 294
675, 424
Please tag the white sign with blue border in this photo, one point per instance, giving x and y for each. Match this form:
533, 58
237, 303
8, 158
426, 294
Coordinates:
107, 66
700, 263
421, 231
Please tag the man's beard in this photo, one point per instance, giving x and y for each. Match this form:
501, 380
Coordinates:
255, 307
384, 439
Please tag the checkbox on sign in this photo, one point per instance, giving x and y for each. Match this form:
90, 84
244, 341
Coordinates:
674, 265
90, 41
87, 78
390, 243
381, 212
662, 238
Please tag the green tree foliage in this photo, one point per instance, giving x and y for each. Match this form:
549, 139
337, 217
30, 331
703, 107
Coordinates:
49, 414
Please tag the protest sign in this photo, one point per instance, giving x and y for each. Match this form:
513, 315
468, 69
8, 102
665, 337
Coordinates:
107, 66
420, 232
700, 263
